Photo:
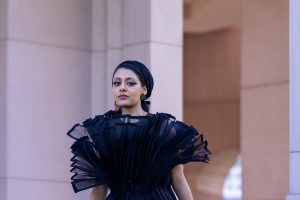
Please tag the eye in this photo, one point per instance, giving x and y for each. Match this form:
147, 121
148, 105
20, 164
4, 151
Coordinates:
131, 83
116, 83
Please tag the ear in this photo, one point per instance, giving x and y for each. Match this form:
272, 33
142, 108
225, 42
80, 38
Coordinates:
145, 89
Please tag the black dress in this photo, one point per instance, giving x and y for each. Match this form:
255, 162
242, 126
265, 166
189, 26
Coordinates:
133, 155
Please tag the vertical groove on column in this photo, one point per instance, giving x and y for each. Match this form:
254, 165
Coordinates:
294, 100
294, 74
98, 76
3, 19
3, 138
114, 43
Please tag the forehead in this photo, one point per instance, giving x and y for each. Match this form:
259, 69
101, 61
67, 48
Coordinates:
125, 73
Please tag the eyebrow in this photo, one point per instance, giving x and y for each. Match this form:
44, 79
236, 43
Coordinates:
125, 78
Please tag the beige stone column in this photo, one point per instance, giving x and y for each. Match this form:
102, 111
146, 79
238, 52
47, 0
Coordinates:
152, 34
3, 42
114, 44
45, 73
294, 191
265, 99
99, 54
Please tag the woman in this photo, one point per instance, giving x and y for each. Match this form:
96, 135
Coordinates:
131, 152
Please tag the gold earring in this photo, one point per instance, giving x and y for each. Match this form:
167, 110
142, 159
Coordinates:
143, 97
116, 107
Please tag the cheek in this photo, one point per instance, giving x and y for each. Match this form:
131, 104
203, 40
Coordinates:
134, 93
115, 91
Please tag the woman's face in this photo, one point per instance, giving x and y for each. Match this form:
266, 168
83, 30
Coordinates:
127, 88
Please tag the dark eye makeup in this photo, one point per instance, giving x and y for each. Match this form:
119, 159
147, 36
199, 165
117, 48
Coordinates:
116, 83
129, 83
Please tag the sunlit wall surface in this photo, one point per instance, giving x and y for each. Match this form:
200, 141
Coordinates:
232, 189
294, 190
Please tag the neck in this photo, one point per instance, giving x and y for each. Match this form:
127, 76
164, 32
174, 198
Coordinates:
133, 111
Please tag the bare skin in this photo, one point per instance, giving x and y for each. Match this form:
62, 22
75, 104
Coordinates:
126, 82
179, 184
99, 192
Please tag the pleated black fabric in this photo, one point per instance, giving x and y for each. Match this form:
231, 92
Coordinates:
133, 155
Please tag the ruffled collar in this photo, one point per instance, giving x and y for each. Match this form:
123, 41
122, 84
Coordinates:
112, 114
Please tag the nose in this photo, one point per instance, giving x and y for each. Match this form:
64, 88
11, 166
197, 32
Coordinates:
122, 86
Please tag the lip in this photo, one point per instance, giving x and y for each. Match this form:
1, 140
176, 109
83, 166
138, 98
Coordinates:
122, 96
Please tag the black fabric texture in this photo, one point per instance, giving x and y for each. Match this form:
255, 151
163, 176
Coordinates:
133, 155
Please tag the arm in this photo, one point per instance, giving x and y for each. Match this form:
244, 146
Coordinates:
180, 184
99, 192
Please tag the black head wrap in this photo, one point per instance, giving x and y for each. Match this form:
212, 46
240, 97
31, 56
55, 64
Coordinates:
144, 75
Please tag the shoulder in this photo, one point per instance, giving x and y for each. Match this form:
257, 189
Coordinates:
92, 121
165, 115
97, 118
180, 126
88, 126
172, 120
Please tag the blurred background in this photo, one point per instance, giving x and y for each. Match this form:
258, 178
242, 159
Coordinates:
219, 65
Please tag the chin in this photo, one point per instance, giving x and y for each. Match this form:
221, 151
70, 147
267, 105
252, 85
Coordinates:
125, 105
